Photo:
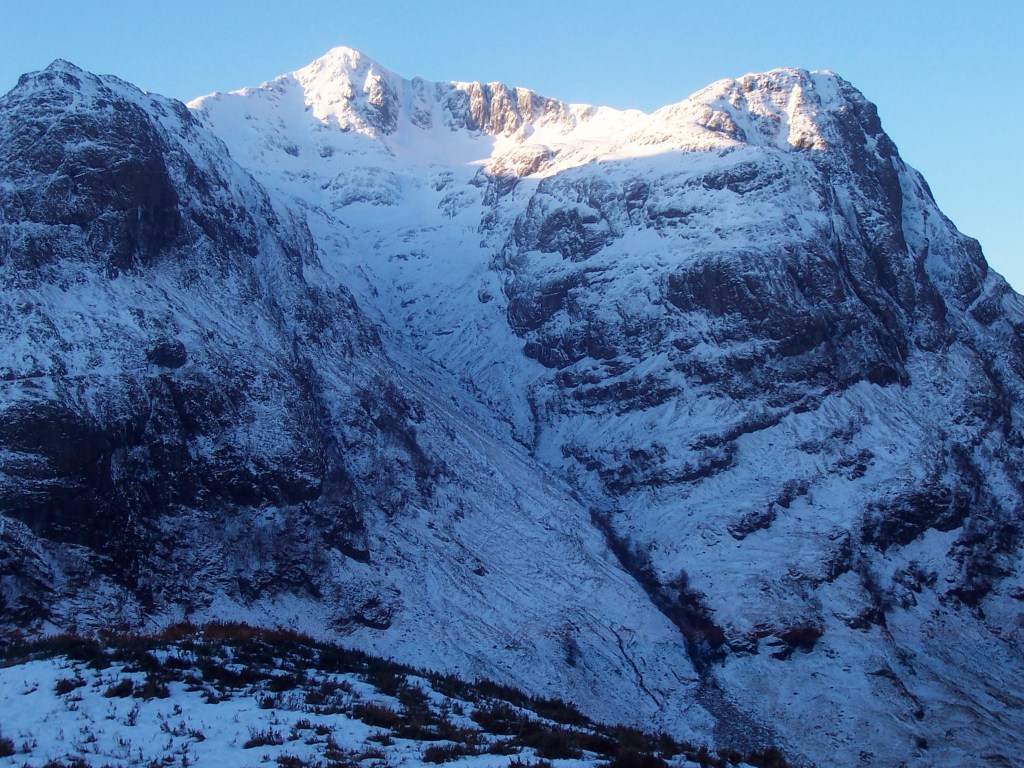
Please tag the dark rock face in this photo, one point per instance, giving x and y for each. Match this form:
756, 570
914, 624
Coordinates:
165, 358
92, 167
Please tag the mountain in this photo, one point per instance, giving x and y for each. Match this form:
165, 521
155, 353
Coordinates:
198, 422
707, 419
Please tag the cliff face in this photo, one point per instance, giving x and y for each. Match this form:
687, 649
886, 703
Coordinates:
199, 422
784, 373
708, 417
162, 349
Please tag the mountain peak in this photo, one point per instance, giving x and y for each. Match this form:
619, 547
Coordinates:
788, 108
63, 65
343, 61
350, 91
58, 69
66, 83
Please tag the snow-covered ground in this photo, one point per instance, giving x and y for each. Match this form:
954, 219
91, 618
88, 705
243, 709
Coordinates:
200, 703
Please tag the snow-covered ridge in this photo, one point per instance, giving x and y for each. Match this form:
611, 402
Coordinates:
347, 91
353, 92
733, 324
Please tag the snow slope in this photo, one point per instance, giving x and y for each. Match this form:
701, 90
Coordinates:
743, 330
198, 421
234, 695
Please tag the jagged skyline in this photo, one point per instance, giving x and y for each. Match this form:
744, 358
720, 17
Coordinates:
932, 75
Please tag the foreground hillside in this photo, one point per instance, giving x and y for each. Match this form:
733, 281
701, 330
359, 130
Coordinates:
232, 695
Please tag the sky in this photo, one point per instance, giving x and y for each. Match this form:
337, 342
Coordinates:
945, 74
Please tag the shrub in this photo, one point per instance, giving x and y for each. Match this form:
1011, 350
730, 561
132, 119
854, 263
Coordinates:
517, 763
412, 697
767, 758
378, 716
494, 690
282, 683
218, 674
559, 711
333, 751
75, 648
631, 739
315, 698
6, 747
503, 747
553, 744
336, 659
449, 731
702, 756
630, 758
419, 731
153, 688
264, 738
67, 684
384, 678
499, 718
140, 659
178, 662
450, 685
212, 698
120, 690
599, 743
667, 746
442, 753
300, 725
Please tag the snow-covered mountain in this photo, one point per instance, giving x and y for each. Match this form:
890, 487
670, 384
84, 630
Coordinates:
199, 422
707, 419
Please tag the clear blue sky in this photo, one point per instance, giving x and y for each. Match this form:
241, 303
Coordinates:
946, 75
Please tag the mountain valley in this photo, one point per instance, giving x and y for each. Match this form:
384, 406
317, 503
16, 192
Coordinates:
706, 420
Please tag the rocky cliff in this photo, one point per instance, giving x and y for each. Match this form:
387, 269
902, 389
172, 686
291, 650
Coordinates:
199, 422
